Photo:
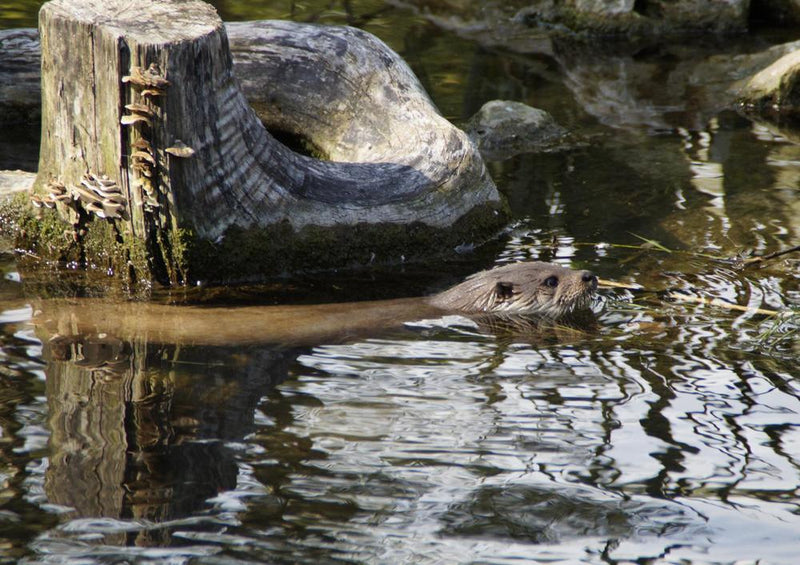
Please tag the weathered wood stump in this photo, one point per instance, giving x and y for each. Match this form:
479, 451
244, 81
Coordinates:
152, 155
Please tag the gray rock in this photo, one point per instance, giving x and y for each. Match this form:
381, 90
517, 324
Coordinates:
12, 182
503, 128
774, 91
518, 19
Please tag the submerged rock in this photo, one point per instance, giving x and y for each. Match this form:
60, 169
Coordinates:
504, 128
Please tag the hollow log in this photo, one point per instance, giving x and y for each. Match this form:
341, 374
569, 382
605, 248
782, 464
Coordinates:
152, 155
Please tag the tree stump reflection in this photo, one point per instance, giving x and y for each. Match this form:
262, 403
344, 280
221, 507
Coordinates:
130, 423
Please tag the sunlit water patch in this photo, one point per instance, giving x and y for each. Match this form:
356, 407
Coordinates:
503, 452
655, 433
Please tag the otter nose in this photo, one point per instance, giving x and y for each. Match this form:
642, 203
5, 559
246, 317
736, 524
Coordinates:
589, 278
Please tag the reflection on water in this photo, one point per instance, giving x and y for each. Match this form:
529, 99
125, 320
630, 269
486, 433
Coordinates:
666, 432
442, 442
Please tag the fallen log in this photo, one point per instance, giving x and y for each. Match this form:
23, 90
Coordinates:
161, 169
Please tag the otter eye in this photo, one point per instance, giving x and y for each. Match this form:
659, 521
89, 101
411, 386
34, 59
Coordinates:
551, 281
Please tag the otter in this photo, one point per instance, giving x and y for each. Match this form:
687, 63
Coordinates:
531, 288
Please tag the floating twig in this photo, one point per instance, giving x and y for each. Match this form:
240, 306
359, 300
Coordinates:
719, 303
652, 243
625, 286
761, 258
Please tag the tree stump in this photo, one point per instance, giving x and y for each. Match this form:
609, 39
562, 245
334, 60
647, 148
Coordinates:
152, 155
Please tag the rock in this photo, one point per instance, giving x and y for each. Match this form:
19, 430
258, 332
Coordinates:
623, 90
613, 84
503, 128
12, 182
774, 90
632, 19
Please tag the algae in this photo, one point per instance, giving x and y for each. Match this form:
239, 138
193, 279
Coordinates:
254, 254
180, 257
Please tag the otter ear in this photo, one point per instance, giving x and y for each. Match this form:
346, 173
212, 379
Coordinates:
504, 290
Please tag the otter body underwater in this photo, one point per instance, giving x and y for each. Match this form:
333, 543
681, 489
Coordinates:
530, 288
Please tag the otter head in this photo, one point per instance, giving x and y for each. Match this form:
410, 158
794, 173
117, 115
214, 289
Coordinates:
536, 288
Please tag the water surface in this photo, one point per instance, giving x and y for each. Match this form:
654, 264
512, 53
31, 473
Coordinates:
667, 432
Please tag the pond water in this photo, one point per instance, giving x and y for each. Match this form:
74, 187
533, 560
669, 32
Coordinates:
666, 432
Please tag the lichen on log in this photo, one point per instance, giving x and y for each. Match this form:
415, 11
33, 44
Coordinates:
150, 149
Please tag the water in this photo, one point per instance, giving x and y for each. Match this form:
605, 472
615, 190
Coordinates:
668, 432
